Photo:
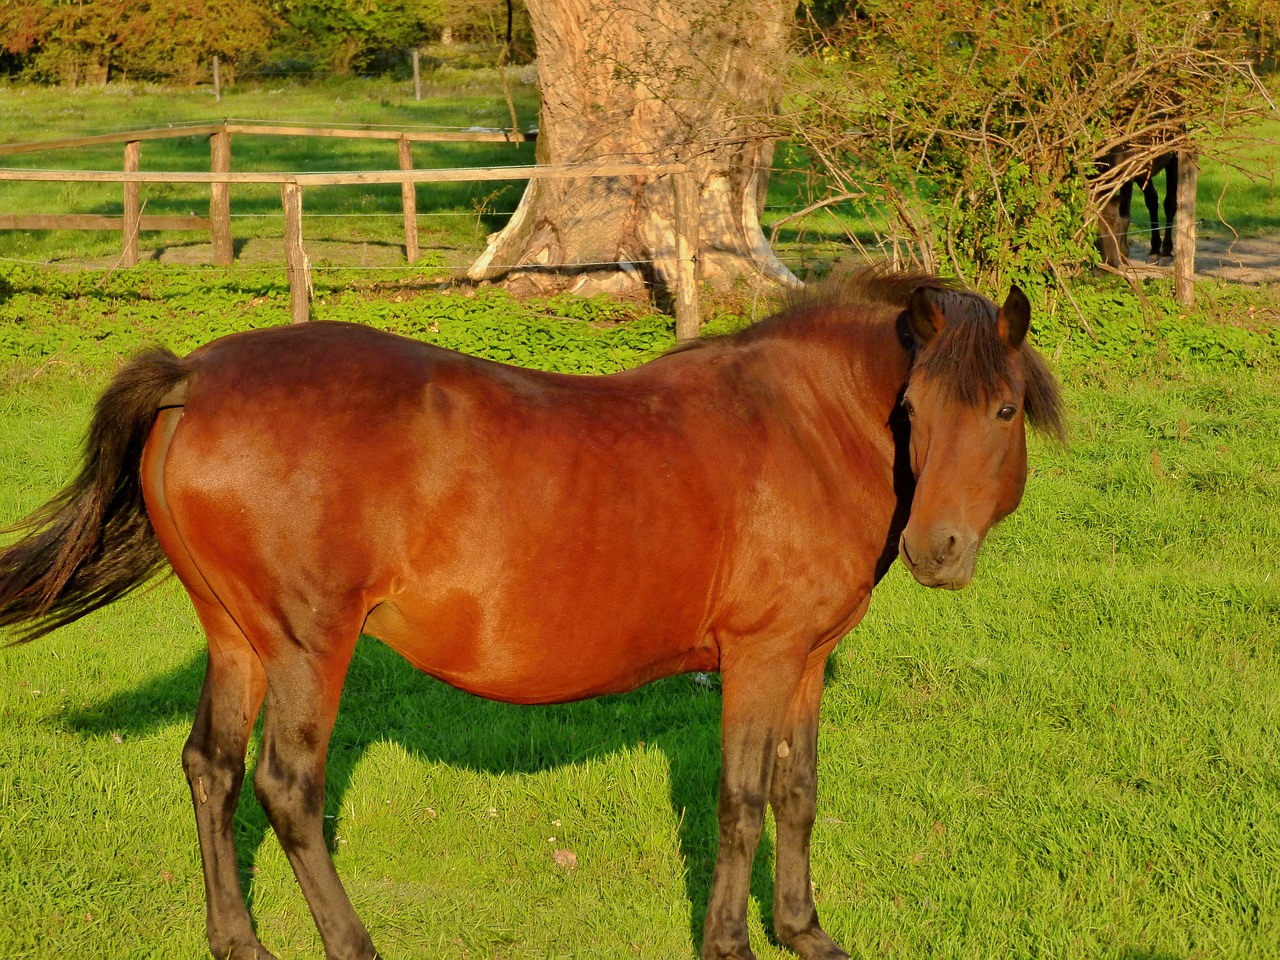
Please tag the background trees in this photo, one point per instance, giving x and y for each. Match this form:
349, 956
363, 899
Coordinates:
342, 35
965, 131
956, 134
94, 41
100, 40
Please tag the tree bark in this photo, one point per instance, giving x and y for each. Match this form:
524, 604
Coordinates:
656, 81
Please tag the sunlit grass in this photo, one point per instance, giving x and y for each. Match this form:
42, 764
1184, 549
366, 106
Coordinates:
1075, 757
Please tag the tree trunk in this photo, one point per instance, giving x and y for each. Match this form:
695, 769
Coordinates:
660, 81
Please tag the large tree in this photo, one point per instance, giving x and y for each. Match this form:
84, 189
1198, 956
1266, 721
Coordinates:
655, 81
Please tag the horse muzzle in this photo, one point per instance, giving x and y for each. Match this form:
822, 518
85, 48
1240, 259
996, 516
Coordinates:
943, 558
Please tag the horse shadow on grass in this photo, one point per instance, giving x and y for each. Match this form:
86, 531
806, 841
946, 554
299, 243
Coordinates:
387, 700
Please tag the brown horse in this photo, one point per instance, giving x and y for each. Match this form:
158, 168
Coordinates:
536, 538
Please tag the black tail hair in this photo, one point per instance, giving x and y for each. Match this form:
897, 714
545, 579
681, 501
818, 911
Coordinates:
93, 542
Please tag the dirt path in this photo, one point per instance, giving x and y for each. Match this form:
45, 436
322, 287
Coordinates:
1252, 260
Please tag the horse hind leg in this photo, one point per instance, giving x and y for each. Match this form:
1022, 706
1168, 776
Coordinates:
304, 684
794, 798
213, 758
1123, 219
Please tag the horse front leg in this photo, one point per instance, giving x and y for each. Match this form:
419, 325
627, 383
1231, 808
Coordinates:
213, 759
1170, 205
1151, 197
794, 798
757, 694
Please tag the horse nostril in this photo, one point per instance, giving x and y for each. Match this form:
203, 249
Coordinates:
949, 549
904, 551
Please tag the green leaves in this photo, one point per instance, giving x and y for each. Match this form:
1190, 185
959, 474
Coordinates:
93, 319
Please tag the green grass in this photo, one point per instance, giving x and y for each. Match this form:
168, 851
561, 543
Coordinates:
1075, 757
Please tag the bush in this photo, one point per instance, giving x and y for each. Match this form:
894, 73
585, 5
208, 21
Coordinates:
971, 127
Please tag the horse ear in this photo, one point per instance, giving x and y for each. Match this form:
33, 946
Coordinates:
1015, 318
926, 319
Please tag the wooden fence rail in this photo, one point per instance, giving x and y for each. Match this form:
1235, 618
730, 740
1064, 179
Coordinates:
220, 178
176, 132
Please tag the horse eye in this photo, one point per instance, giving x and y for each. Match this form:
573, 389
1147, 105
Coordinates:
1006, 412
909, 406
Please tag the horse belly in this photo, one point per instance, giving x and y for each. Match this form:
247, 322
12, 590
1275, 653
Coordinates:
552, 650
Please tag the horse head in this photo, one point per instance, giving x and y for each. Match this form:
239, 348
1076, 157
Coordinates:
974, 384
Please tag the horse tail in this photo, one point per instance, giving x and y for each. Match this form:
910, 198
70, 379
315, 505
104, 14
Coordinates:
93, 542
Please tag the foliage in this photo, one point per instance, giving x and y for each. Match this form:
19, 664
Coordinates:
485, 22
345, 34
974, 125
94, 41
50, 316
1145, 329
95, 319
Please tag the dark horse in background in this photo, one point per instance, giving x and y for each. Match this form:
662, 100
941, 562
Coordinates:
1113, 226
533, 538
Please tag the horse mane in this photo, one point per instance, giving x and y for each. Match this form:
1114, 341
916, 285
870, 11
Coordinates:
968, 355
972, 360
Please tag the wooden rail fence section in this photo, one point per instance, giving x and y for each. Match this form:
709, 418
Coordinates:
221, 176
218, 223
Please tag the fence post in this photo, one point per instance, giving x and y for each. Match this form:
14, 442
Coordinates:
220, 199
297, 264
409, 199
132, 208
1184, 238
685, 187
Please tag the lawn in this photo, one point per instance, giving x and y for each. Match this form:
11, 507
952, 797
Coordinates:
1075, 757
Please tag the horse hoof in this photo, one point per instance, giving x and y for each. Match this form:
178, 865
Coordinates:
245, 951
729, 951
814, 944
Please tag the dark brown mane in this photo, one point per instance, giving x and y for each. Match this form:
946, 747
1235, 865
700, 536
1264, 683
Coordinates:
969, 356
807, 307
871, 284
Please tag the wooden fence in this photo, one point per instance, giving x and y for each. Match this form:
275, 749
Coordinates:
220, 178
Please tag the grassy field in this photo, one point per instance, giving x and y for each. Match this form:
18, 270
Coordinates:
1075, 757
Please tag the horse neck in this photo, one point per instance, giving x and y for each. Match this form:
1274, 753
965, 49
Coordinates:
839, 377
